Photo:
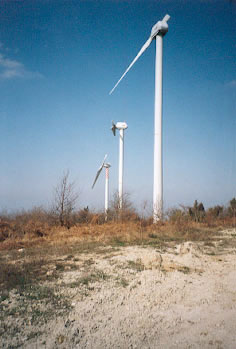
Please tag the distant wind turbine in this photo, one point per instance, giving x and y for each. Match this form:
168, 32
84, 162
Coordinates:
106, 166
158, 31
121, 126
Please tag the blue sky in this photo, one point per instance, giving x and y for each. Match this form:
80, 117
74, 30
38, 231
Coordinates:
58, 62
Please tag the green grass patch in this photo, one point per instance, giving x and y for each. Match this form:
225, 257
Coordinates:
121, 282
88, 279
136, 265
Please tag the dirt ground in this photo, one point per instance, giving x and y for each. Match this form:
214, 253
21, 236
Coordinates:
180, 295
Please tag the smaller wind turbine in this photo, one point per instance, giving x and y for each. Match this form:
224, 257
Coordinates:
106, 166
121, 126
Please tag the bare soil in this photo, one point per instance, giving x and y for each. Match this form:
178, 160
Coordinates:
175, 295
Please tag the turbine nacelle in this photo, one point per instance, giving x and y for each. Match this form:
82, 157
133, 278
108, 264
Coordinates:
118, 126
121, 125
107, 165
161, 27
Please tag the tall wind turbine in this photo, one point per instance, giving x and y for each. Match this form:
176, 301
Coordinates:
106, 166
121, 126
158, 31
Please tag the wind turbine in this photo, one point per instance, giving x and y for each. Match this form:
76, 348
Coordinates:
106, 166
121, 126
157, 32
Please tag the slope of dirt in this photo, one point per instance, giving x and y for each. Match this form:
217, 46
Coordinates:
180, 296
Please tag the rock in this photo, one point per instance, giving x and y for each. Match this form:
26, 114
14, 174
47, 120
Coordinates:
60, 339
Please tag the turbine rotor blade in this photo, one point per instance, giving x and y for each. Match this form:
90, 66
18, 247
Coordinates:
97, 175
103, 161
113, 128
145, 46
99, 171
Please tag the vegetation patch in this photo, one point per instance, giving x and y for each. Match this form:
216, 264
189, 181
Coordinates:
184, 269
136, 265
89, 278
120, 281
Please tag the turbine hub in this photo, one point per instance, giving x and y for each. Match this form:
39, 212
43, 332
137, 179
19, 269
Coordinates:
160, 28
107, 165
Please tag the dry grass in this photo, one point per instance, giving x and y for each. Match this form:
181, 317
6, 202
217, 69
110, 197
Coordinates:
113, 233
39, 227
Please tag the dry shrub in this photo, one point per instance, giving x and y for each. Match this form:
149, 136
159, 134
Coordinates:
117, 233
83, 216
128, 211
128, 215
181, 231
232, 208
215, 217
26, 225
5, 230
32, 228
176, 215
145, 222
98, 218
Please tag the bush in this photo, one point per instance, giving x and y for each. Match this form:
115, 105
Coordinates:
176, 215
232, 208
36, 222
125, 214
83, 216
197, 212
216, 211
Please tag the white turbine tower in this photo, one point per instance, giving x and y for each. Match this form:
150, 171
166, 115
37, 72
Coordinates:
158, 31
121, 126
106, 166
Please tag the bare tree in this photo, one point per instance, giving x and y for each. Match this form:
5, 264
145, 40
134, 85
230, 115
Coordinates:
126, 213
65, 199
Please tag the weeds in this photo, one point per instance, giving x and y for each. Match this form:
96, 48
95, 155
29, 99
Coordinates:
136, 265
20, 275
88, 279
32, 335
152, 236
23, 294
60, 267
122, 282
118, 241
69, 257
184, 269
37, 303
88, 262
